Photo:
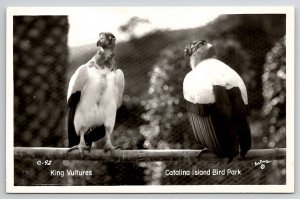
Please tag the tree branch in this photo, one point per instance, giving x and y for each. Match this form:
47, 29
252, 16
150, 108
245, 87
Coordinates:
139, 155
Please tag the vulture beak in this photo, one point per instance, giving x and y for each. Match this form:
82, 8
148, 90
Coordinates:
98, 43
101, 40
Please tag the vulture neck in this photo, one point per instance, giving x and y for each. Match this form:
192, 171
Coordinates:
195, 64
105, 59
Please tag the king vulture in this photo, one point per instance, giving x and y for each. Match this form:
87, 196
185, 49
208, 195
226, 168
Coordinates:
94, 94
216, 101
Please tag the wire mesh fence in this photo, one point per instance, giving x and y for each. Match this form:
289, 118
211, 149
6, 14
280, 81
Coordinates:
153, 112
40, 62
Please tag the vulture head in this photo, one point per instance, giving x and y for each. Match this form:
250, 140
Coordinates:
106, 40
199, 51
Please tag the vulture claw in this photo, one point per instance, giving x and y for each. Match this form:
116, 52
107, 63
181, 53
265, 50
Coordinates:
205, 150
81, 148
111, 148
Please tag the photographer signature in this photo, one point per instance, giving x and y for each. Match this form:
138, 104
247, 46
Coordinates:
262, 163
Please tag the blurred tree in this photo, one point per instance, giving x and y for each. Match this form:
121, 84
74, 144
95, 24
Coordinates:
165, 110
274, 92
130, 27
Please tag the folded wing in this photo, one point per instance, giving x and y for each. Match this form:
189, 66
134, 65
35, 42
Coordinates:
120, 84
76, 85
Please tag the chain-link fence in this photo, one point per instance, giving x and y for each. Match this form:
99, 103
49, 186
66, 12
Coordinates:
153, 112
40, 64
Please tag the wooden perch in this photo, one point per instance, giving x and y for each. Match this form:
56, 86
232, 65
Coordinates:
139, 155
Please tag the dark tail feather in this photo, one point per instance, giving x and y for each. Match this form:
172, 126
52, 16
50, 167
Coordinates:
94, 135
244, 135
72, 104
223, 120
241, 119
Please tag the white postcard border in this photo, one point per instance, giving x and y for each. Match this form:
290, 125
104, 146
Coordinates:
290, 161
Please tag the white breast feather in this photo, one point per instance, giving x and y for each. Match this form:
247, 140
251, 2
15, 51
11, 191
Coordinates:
98, 103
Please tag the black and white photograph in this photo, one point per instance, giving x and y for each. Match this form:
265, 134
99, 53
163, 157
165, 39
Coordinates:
150, 100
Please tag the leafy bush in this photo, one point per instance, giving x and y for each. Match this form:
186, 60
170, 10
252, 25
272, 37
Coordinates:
274, 92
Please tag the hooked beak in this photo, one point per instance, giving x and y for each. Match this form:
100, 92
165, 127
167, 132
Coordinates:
98, 43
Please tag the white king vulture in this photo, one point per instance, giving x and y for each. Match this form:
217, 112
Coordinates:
216, 99
94, 94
